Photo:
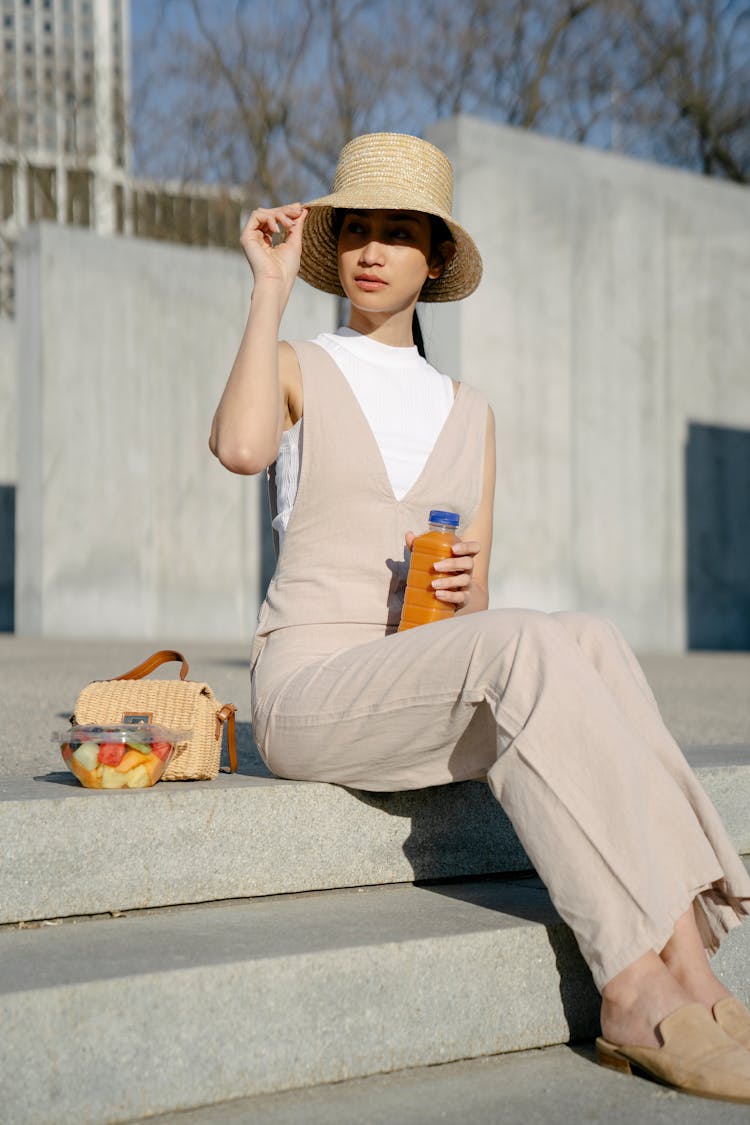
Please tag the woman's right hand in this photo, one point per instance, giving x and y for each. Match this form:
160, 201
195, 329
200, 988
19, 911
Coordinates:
276, 264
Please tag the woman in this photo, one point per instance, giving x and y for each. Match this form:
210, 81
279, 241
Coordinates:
552, 709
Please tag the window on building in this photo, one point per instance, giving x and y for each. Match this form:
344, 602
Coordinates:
48, 51
42, 194
28, 48
48, 27
28, 24
9, 45
8, 21
6, 190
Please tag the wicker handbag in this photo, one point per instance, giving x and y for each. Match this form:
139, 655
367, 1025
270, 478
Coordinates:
182, 704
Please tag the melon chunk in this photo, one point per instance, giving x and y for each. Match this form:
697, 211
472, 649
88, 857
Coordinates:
87, 754
138, 778
112, 778
130, 759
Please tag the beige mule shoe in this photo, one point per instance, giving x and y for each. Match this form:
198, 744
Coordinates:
697, 1057
733, 1017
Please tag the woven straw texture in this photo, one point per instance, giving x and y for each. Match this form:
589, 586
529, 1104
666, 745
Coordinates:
395, 172
181, 704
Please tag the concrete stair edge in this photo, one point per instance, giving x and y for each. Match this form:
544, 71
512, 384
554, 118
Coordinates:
67, 851
104, 1021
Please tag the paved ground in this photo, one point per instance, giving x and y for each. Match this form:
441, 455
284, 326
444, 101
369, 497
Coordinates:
704, 697
557, 1086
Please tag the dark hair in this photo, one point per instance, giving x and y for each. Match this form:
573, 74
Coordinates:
439, 233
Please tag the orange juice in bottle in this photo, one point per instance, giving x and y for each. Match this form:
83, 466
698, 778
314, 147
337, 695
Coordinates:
420, 604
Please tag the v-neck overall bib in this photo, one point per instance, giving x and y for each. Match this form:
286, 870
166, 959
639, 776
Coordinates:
552, 709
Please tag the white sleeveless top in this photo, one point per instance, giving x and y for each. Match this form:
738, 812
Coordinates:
405, 401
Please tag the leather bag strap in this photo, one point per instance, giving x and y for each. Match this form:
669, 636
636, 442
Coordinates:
227, 712
155, 661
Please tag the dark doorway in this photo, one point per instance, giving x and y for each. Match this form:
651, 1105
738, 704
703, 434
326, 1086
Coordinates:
717, 511
7, 556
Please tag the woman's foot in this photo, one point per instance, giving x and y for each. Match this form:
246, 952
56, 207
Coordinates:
636, 1001
696, 1056
688, 963
734, 1018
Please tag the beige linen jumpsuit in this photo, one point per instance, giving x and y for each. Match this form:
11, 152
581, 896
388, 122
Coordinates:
552, 709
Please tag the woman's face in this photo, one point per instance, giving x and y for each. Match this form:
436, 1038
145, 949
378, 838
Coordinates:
385, 258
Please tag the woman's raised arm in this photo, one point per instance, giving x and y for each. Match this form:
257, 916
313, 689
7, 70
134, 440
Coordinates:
249, 420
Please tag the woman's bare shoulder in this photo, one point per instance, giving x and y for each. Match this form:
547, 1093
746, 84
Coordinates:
290, 381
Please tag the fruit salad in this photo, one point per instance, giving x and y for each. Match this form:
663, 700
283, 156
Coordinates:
118, 757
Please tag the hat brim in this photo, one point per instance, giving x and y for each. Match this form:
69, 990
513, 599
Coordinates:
319, 260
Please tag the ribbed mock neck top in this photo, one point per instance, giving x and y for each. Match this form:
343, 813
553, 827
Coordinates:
405, 402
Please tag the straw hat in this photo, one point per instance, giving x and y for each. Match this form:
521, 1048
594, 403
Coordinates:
392, 171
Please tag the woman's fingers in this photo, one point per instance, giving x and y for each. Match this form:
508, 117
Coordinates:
452, 581
272, 220
459, 562
470, 547
272, 242
294, 228
455, 598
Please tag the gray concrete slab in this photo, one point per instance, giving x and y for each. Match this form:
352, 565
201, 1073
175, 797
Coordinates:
183, 1007
246, 836
235, 837
551, 1086
704, 697
40, 680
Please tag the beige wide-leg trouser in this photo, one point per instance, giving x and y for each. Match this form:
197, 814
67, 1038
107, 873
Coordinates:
555, 711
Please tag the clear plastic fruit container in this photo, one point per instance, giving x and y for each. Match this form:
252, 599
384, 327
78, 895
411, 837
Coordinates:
118, 756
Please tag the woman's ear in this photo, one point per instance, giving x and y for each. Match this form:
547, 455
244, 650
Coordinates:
446, 252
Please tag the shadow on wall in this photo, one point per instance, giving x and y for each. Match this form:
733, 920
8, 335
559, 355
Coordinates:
269, 543
717, 536
7, 556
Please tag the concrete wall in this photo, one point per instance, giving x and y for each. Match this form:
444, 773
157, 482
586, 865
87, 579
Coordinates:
613, 315
8, 392
8, 470
611, 326
127, 525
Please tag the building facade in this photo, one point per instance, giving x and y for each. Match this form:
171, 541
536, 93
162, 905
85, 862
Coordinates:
64, 136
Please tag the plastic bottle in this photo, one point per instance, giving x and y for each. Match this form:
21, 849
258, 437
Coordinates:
420, 604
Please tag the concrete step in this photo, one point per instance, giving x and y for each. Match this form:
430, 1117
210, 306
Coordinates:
65, 850
552, 1086
160, 1011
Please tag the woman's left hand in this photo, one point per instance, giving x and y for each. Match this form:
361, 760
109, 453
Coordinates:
452, 582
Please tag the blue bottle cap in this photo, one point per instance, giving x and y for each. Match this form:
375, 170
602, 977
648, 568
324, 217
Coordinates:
450, 518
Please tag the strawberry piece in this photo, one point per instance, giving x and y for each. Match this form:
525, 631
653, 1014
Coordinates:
111, 753
161, 749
